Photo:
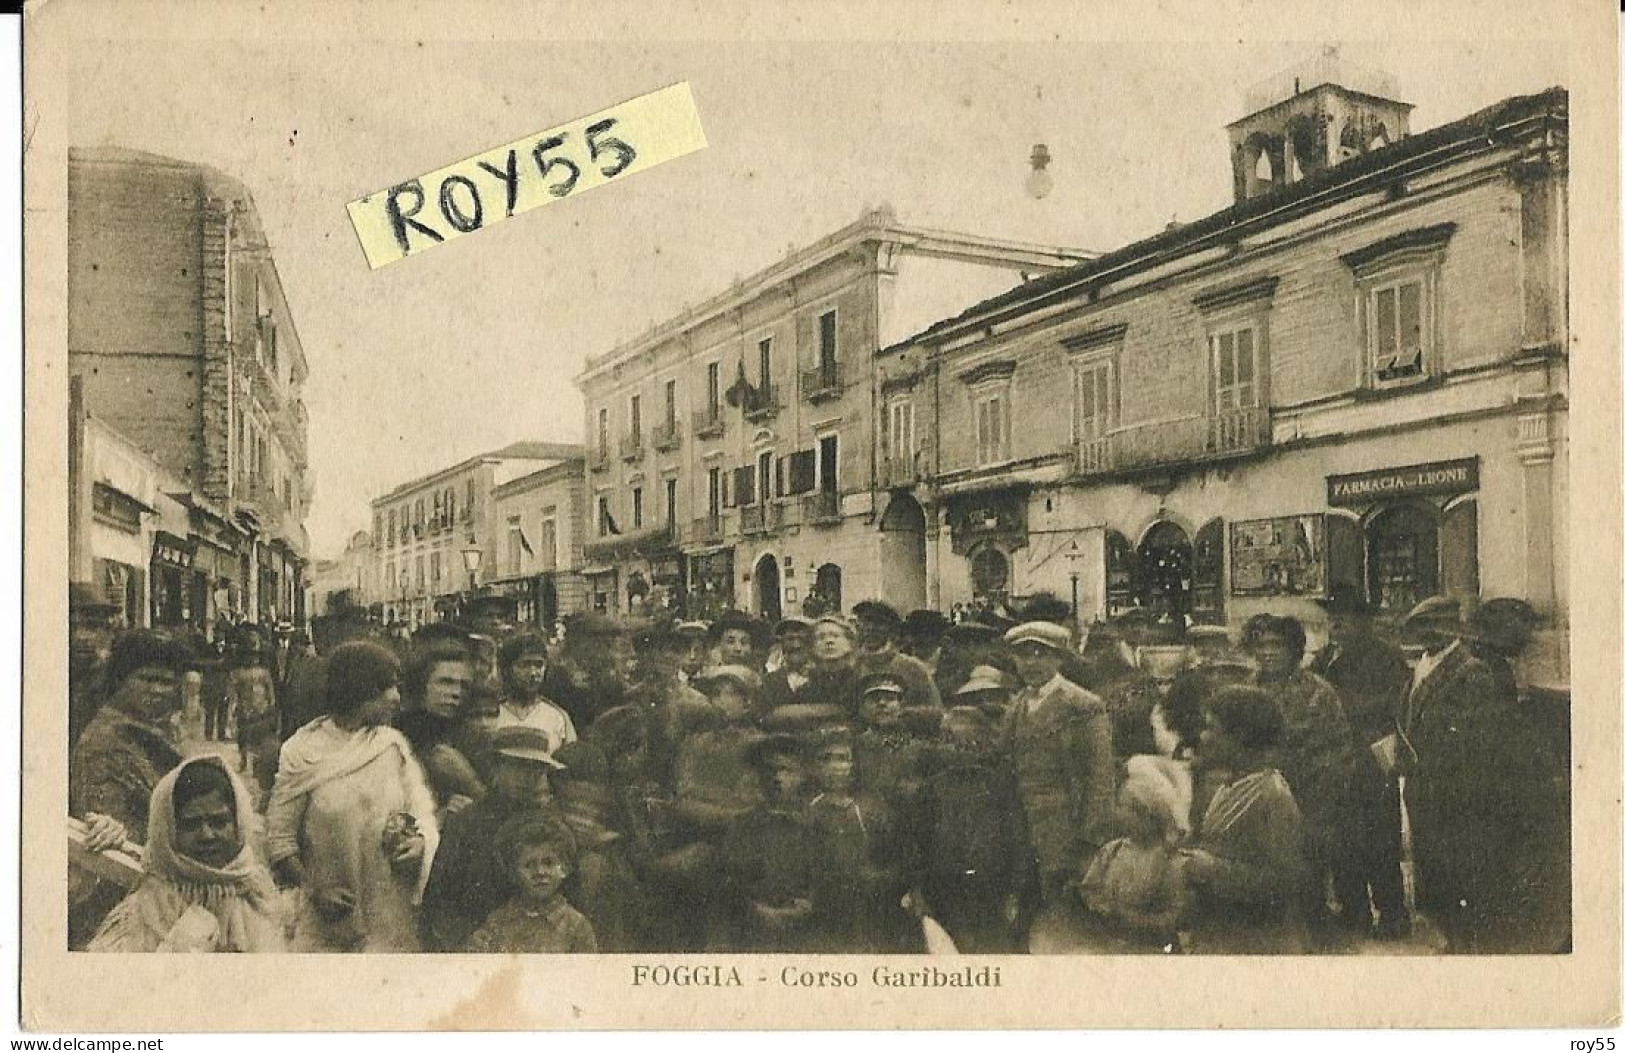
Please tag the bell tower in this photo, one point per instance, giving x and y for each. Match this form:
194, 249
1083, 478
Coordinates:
1312, 116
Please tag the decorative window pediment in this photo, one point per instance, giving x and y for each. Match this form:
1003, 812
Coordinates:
1000, 370
1259, 291
1419, 247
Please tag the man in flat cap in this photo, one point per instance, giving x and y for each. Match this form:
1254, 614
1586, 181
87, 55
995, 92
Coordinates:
1372, 678
1059, 739
879, 626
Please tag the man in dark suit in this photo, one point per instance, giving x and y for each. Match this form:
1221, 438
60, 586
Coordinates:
1372, 679
1465, 816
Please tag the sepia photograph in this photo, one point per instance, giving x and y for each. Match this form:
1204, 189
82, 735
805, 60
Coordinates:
944, 512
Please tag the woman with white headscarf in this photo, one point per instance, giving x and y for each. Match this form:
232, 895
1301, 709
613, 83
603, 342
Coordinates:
205, 887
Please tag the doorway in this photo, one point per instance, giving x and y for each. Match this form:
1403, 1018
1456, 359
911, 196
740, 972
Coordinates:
1165, 558
769, 603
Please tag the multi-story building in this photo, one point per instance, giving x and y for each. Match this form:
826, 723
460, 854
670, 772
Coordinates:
536, 521
1356, 374
183, 342
436, 543
730, 450
339, 585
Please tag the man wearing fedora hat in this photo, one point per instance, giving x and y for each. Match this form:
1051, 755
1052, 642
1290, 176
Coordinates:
1371, 677
1059, 740
468, 879
1470, 818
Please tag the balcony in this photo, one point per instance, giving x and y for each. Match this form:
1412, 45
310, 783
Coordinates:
1186, 440
710, 424
632, 446
761, 404
821, 508
597, 461
668, 436
707, 530
824, 383
898, 474
761, 518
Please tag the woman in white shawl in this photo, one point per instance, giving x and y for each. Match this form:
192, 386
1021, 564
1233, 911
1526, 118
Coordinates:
352, 818
205, 889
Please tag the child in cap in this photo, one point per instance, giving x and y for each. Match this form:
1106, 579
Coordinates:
539, 853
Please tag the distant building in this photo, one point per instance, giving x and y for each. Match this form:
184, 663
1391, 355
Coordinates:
339, 585
1356, 374
537, 542
436, 541
184, 344
731, 450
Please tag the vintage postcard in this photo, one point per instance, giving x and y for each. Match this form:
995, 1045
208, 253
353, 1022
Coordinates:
933, 516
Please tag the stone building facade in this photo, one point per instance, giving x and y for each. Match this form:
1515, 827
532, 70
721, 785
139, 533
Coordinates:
537, 522
182, 340
437, 542
731, 450
1356, 374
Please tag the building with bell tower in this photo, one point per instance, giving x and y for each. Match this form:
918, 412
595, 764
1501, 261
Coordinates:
1310, 117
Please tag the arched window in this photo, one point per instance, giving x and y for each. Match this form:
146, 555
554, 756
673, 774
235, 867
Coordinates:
1165, 558
1402, 556
827, 584
1379, 138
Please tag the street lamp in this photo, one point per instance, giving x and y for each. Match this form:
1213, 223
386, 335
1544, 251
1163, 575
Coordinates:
471, 561
1073, 555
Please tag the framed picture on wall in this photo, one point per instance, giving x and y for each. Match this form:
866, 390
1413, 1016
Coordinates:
1283, 556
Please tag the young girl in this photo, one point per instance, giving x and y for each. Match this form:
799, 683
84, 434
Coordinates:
540, 852
1130, 890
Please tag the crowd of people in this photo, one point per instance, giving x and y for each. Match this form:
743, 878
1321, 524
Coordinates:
872, 783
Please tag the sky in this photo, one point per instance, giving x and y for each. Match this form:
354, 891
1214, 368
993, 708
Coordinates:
471, 346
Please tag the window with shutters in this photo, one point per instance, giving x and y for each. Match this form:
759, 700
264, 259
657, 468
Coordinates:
1397, 305
637, 508
828, 351
1236, 368
671, 503
434, 570
1397, 331
603, 432
744, 485
713, 389
764, 363
764, 475
391, 532
900, 437
802, 475
713, 492
603, 515
516, 546
1095, 400
671, 405
992, 425
468, 508
548, 541
634, 431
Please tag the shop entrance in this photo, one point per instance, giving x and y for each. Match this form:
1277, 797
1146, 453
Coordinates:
1165, 557
1402, 556
768, 600
827, 588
